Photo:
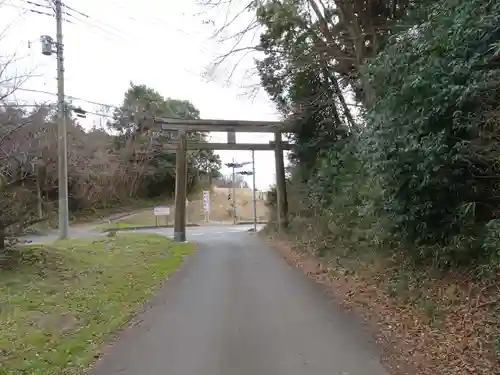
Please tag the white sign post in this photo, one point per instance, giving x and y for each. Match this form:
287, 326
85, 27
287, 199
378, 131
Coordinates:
161, 211
206, 204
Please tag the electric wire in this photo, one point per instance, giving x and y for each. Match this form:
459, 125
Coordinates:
27, 9
46, 6
69, 12
85, 19
137, 19
79, 18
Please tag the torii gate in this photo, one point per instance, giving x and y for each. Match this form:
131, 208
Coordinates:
231, 127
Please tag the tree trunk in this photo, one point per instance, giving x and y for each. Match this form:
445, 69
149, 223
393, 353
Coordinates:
39, 199
2, 241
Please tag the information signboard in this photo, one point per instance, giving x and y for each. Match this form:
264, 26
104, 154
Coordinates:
161, 211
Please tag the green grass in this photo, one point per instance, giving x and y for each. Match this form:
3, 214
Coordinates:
140, 219
122, 207
59, 304
115, 225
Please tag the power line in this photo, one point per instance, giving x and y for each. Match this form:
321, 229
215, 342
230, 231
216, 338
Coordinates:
99, 114
263, 137
68, 14
67, 96
107, 33
87, 20
94, 28
148, 21
96, 23
28, 9
88, 17
108, 106
76, 11
38, 11
115, 36
53, 105
37, 4
112, 36
135, 18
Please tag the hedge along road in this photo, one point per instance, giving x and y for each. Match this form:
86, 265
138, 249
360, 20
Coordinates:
237, 308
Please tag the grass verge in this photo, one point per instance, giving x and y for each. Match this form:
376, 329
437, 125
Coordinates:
85, 216
59, 304
140, 219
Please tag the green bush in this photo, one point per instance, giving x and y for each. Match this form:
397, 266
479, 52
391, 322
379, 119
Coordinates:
433, 125
420, 170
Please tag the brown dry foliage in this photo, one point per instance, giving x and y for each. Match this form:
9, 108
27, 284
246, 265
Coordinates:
97, 174
439, 325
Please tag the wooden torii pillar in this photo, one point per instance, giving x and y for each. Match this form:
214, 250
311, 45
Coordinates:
180, 188
281, 197
182, 146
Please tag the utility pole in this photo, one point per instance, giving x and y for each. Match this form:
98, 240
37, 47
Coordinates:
254, 192
234, 165
235, 212
282, 219
62, 154
61, 130
254, 199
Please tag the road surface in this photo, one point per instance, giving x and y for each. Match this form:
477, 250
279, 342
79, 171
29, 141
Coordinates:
207, 232
237, 308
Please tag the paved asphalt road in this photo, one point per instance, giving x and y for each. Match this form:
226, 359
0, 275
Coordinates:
237, 308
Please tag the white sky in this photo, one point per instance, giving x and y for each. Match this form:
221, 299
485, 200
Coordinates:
160, 43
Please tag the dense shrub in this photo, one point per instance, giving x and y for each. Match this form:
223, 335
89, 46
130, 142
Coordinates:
433, 129
420, 169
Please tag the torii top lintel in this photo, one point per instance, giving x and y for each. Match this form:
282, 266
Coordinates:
221, 125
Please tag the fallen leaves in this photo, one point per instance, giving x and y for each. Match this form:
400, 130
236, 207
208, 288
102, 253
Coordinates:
447, 330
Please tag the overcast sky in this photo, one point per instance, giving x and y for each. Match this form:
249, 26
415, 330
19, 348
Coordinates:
160, 43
